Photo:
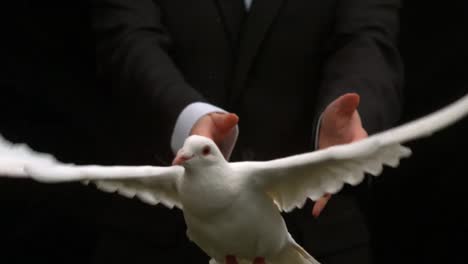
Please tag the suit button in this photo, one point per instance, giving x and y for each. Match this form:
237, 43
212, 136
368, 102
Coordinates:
248, 154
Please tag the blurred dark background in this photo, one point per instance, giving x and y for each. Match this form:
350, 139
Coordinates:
420, 209
51, 99
48, 93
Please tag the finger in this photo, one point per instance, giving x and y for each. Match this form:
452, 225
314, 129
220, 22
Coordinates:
203, 127
215, 126
320, 205
224, 122
360, 134
340, 113
347, 104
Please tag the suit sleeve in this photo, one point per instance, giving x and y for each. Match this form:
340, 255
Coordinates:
363, 58
133, 55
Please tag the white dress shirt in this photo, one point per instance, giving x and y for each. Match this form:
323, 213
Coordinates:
248, 3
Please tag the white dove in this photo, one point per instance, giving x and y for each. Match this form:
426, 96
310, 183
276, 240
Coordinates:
232, 210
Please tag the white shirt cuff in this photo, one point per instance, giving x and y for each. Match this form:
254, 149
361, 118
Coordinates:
187, 119
317, 132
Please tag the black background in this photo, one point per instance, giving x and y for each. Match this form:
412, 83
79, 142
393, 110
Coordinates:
420, 209
47, 73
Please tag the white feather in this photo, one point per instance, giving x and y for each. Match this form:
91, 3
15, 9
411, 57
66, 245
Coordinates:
18, 160
220, 199
291, 180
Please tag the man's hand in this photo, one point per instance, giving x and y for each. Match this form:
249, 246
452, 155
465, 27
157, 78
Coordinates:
215, 126
340, 124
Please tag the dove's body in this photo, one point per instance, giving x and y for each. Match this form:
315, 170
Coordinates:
234, 208
224, 217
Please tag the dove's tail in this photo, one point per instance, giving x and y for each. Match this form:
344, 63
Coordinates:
294, 254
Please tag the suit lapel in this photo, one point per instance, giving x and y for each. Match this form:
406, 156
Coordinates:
261, 15
232, 14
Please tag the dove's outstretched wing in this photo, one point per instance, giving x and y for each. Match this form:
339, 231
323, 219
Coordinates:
150, 184
290, 181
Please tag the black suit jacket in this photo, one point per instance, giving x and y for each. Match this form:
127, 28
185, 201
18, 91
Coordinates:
285, 60
277, 67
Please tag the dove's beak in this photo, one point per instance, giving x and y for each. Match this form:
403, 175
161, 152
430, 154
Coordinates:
181, 158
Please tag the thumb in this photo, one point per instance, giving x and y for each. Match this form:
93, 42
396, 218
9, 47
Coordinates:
339, 121
224, 122
346, 105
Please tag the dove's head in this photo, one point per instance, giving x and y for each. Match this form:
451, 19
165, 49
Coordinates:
198, 151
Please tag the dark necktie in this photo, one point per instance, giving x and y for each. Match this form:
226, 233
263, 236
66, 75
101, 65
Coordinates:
234, 12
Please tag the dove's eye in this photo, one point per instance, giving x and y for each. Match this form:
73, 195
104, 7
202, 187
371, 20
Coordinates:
206, 150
